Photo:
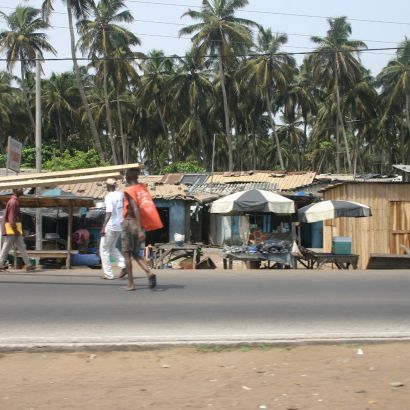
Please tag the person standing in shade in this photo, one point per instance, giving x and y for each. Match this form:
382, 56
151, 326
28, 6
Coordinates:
132, 234
12, 231
111, 230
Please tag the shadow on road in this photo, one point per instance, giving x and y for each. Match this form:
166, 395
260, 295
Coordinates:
115, 283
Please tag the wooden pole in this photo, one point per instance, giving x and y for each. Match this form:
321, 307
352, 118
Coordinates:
69, 235
39, 216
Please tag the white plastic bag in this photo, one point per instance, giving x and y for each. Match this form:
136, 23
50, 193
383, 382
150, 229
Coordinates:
178, 238
295, 250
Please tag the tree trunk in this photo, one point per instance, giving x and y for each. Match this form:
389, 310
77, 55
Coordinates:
339, 113
321, 162
275, 134
25, 95
164, 128
337, 146
238, 143
226, 110
202, 142
108, 112
254, 149
407, 117
60, 133
123, 137
304, 141
80, 87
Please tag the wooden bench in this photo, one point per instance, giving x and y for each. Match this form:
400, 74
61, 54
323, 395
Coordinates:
50, 254
311, 259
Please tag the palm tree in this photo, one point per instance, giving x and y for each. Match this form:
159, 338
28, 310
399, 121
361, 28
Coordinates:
221, 32
58, 98
192, 92
153, 93
270, 72
102, 37
6, 100
80, 9
335, 66
395, 82
123, 72
24, 42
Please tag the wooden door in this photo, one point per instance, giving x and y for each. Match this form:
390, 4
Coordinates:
400, 218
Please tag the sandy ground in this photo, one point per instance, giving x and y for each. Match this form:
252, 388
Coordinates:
261, 377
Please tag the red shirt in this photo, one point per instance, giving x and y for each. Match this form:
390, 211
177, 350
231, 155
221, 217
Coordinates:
12, 213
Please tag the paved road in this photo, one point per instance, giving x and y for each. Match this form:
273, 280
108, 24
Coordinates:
204, 306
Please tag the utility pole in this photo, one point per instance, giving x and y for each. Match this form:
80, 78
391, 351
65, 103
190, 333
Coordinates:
39, 217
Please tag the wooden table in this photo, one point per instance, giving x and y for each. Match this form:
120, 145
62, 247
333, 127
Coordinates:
174, 252
252, 261
311, 259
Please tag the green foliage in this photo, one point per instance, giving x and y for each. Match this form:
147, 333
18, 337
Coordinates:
183, 167
29, 156
74, 160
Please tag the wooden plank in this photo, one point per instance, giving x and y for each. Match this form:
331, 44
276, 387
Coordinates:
51, 253
52, 182
71, 173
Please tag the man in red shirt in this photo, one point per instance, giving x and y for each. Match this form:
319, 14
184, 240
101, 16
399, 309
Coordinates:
132, 234
11, 231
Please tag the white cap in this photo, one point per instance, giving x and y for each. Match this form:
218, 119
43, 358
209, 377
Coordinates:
111, 181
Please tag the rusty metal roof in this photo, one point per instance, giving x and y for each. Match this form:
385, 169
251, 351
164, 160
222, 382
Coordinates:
97, 190
284, 182
214, 191
172, 179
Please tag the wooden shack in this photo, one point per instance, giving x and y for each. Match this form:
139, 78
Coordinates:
385, 231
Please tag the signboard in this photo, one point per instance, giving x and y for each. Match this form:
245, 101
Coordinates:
14, 150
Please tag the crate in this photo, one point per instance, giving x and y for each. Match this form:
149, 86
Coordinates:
342, 245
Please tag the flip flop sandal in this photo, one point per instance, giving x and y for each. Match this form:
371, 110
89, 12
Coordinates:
128, 290
152, 281
122, 273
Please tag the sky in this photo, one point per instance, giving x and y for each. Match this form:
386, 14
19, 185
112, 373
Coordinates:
157, 23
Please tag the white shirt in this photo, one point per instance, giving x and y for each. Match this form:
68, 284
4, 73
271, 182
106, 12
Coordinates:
114, 204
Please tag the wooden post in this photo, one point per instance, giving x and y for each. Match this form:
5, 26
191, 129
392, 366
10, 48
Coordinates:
69, 235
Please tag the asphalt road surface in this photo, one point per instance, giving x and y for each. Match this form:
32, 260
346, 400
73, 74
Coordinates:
62, 308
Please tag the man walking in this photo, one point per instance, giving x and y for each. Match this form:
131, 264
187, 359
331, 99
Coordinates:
111, 229
12, 231
139, 213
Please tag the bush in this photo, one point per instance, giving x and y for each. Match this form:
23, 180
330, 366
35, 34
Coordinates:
189, 167
74, 160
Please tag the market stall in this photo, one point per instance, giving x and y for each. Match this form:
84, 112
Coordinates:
270, 243
69, 202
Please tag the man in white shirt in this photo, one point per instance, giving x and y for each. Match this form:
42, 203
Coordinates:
111, 229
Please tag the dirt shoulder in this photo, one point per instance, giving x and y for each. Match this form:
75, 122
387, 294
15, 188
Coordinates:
262, 377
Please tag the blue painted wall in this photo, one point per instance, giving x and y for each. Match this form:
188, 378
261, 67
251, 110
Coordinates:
176, 216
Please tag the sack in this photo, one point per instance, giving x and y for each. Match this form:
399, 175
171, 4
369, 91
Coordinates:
10, 230
295, 250
150, 219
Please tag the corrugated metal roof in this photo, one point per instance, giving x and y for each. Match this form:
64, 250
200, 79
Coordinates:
172, 179
168, 191
227, 189
193, 179
368, 182
97, 190
288, 181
